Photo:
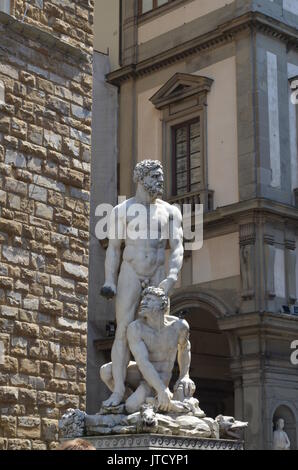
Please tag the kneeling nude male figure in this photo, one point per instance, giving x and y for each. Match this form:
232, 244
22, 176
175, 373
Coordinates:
143, 259
154, 339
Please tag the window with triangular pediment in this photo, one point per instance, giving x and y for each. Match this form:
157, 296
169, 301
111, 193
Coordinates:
183, 103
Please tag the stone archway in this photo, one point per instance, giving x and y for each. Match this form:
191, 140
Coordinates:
210, 366
285, 412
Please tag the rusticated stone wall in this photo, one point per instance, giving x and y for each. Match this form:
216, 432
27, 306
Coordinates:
70, 20
45, 137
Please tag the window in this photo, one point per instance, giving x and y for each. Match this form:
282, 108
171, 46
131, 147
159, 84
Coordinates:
183, 105
148, 5
187, 165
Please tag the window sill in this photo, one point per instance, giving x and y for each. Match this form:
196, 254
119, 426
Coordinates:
149, 15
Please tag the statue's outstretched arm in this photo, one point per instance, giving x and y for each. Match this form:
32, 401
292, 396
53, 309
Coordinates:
184, 360
184, 355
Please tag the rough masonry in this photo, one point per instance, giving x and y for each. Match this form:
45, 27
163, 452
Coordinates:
45, 138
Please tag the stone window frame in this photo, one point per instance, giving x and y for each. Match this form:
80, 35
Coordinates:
181, 100
154, 7
157, 10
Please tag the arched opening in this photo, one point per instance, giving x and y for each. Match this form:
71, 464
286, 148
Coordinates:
210, 364
285, 413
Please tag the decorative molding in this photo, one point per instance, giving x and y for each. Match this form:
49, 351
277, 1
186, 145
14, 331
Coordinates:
180, 87
160, 442
194, 296
255, 208
247, 234
150, 15
290, 245
269, 239
225, 33
49, 40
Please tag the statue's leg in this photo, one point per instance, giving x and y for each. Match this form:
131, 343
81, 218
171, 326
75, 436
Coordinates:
106, 376
127, 301
138, 398
133, 379
134, 376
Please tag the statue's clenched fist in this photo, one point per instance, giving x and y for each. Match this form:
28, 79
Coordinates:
186, 386
108, 291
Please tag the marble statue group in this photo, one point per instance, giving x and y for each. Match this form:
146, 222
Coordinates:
143, 262
143, 288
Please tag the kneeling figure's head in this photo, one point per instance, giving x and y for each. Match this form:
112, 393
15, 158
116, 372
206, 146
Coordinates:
155, 304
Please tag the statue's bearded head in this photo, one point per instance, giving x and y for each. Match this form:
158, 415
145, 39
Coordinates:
149, 173
154, 303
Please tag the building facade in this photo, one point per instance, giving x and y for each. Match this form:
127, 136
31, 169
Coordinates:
45, 142
205, 87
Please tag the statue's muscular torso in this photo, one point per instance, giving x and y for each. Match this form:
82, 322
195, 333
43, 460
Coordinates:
162, 346
147, 255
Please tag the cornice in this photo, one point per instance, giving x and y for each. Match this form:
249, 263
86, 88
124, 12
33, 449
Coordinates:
251, 323
224, 33
49, 40
236, 212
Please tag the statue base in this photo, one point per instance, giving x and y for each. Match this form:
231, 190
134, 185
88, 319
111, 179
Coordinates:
161, 443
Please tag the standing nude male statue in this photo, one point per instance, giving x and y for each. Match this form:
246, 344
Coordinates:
143, 260
155, 338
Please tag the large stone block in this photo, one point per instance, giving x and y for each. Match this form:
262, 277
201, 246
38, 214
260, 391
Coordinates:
11, 227
53, 307
15, 158
9, 312
14, 186
8, 426
29, 367
38, 193
16, 255
9, 395
52, 140
46, 398
26, 329
43, 211
78, 272
49, 429
19, 444
28, 427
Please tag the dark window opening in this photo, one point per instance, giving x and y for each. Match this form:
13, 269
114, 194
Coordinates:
187, 154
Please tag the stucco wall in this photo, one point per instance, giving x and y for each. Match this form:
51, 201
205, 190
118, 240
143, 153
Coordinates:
222, 132
178, 17
218, 259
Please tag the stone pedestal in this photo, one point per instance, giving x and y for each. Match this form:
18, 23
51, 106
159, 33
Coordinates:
161, 443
